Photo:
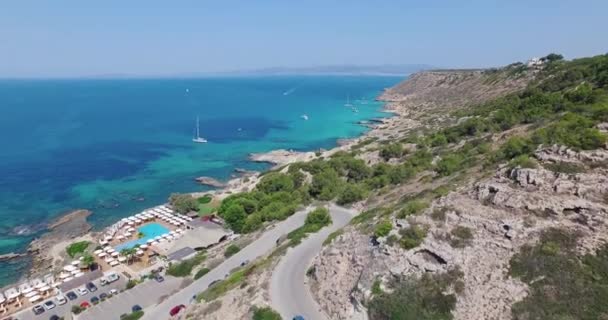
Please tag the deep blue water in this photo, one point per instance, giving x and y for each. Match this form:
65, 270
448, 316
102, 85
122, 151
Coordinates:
118, 146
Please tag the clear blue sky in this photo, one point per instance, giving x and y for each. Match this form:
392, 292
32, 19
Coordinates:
76, 37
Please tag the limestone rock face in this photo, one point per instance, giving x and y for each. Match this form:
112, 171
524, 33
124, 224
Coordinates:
504, 213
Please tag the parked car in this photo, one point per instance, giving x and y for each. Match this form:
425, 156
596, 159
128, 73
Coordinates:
54, 317
103, 296
71, 295
94, 300
61, 300
136, 308
159, 278
82, 291
298, 318
38, 309
113, 292
112, 277
85, 305
175, 310
91, 287
244, 263
48, 305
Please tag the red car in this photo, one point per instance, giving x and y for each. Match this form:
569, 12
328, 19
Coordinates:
175, 310
85, 305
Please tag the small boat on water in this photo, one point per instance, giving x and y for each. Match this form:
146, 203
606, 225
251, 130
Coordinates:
198, 138
355, 110
348, 104
304, 116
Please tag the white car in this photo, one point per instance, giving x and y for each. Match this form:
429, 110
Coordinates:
112, 277
61, 300
82, 291
113, 292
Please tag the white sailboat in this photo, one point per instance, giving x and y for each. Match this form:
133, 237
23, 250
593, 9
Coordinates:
348, 104
198, 138
304, 116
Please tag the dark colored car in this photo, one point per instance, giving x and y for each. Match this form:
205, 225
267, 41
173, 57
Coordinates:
175, 310
71, 295
135, 308
38, 309
94, 300
159, 278
54, 317
91, 287
103, 296
298, 318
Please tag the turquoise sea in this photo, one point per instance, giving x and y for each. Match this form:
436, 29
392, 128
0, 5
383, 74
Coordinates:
119, 146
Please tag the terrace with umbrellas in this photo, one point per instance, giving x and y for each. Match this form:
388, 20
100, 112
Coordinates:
130, 245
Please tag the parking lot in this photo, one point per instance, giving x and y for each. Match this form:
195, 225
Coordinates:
66, 309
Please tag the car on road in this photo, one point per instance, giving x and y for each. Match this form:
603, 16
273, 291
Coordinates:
61, 300
85, 305
298, 318
113, 292
136, 308
48, 305
38, 309
91, 286
175, 310
54, 317
82, 291
71, 295
94, 300
159, 278
103, 296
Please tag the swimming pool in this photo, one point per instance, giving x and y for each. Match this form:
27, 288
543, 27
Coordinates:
149, 230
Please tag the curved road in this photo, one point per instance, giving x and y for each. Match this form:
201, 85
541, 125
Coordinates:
289, 293
257, 248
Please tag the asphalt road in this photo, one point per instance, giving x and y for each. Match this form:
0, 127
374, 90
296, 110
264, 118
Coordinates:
289, 292
259, 247
66, 309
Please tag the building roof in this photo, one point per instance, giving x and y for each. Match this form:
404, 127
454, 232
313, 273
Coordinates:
181, 254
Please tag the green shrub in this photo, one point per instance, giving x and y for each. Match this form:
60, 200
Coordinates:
133, 316
315, 220
460, 237
565, 167
351, 193
393, 150
204, 199
183, 203
265, 313
77, 248
76, 309
383, 228
523, 161
516, 146
275, 182
376, 289
231, 250
412, 237
325, 185
412, 207
449, 164
201, 272
415, 299
184, 268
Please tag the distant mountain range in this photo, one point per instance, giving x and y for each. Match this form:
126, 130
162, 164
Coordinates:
338, 70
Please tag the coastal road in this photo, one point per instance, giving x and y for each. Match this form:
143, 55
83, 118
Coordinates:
257, 248
289, 292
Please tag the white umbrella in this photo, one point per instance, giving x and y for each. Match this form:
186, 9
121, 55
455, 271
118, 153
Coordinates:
157, 238
35, 298
75, 262
171, 237
131, 229
179, 230
139, 252
122, 259
2, 298
30, 294
101, 255
143, 246
98, 251
114, 263
103, 242
155, 243
130, 223
120, 237
128, 234
108, 249
47, 288
165, 235
114, 254
25, 288
109, 259
11, 293
69, 268
162, 240
149, 241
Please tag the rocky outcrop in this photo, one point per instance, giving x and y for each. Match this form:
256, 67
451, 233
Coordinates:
11, 256
212, 182
281, 157
68, 226
504, 212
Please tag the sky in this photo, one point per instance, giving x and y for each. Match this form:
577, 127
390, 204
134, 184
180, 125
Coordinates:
73, 38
